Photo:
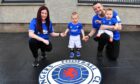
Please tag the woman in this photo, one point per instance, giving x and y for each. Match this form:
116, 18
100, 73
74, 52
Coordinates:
39, 30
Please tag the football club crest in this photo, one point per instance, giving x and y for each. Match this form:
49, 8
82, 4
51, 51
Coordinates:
70, 72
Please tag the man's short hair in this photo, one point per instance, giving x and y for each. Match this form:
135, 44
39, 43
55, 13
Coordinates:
108, 9
97, 3
94, 3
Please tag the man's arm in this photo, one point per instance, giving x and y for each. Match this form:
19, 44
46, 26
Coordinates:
119, 22
119, 26
83, 33
92, 32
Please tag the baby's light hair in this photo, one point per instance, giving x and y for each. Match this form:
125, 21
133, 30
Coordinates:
74, 13
108, 9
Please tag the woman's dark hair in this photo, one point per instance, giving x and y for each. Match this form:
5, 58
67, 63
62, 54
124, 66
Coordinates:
39, 19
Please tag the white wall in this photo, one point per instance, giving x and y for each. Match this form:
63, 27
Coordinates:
60, 12
17, 14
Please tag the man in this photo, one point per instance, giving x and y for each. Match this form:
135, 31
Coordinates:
112, 49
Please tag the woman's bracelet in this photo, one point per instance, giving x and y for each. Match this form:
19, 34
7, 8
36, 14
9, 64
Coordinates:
59, 34
89, 36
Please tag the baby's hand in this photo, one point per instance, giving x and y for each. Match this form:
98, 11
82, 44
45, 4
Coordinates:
115, 28
83, 38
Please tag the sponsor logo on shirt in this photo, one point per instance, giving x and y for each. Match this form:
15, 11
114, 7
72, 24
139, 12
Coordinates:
45, 32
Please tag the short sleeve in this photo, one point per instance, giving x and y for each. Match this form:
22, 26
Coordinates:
32, 25
114, 21
93, 23
115, 15
51, 28
81, 26
68, 26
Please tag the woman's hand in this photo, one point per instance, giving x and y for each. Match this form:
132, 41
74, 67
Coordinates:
46, 41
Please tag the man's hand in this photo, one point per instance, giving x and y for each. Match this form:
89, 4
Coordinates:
62, 34
86, 38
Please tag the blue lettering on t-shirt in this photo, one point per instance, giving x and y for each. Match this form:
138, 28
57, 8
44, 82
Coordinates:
74, 29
